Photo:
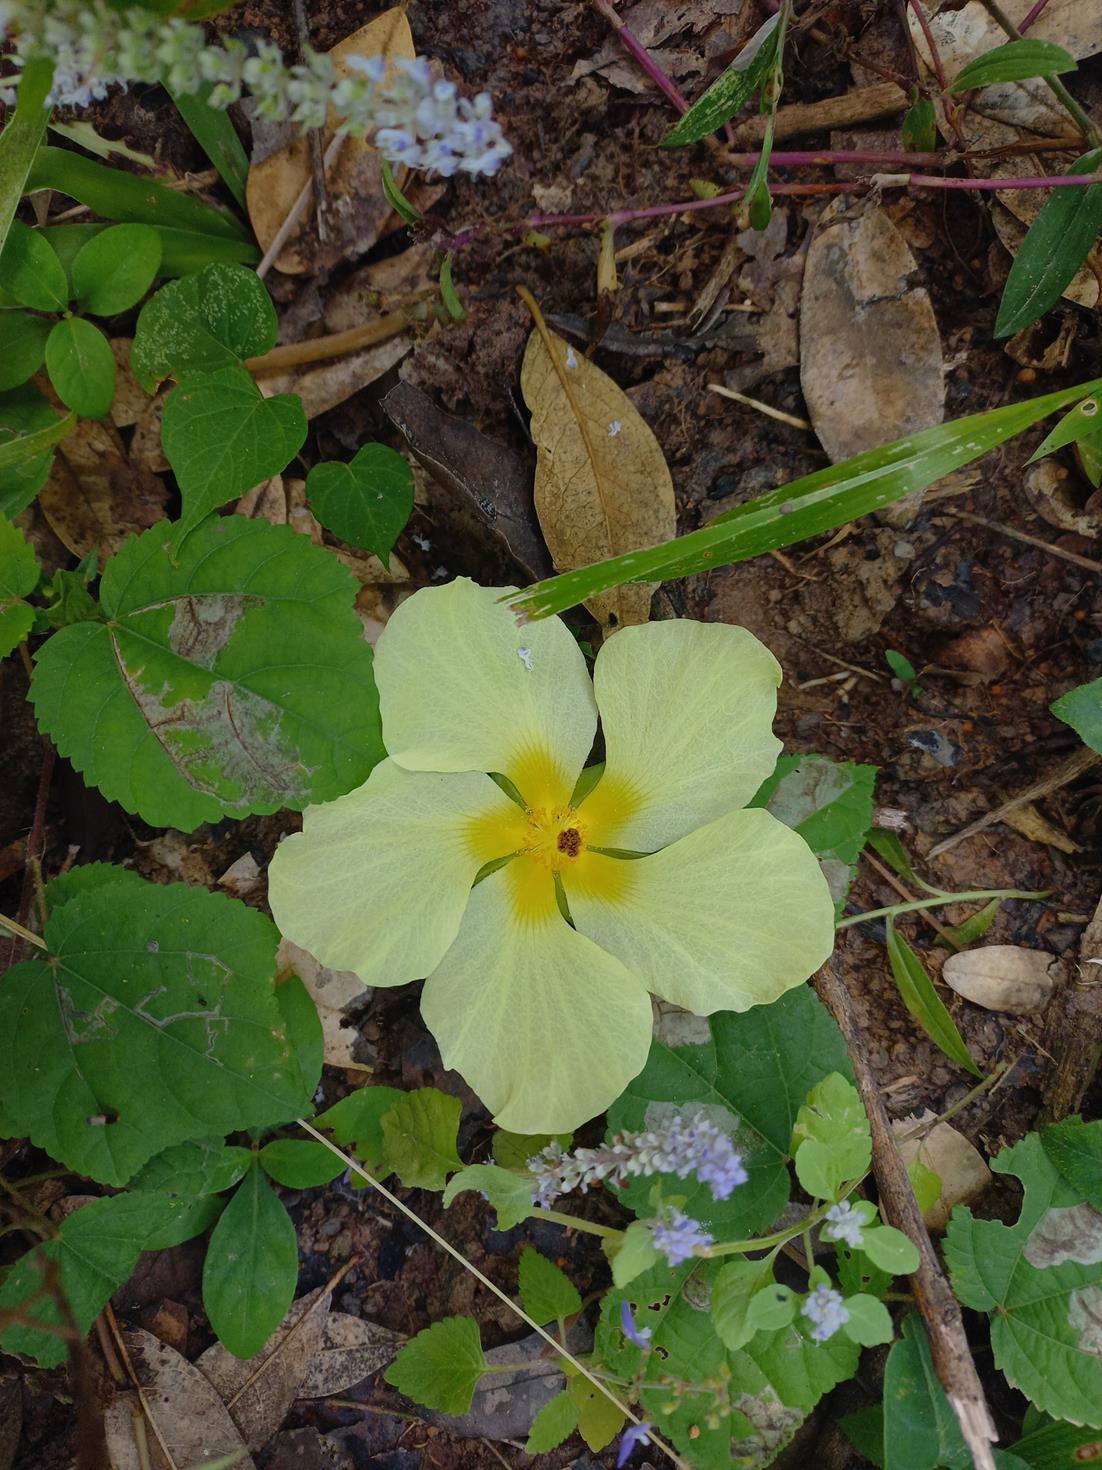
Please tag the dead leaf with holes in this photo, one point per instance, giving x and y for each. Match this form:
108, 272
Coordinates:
96, 495
352, 1348
186, 1416
1004, 977
1005, 115
603, 487
871, 364
258, 1391
359, 208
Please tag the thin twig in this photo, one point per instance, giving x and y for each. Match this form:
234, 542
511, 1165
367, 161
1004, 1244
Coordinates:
770, 412
1028, 20
321, 349
934, 1299
905, 893
1079, 762
317, 152
1015, 535
120, 1344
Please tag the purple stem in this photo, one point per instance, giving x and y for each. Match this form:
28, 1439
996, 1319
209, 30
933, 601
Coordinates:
632, 44
1031, 17
1053, 181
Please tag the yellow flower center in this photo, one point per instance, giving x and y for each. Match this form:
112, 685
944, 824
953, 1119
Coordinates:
555, 836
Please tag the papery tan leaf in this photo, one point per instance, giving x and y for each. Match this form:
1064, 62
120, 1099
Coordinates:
331, 991
355, 176
959, 1165
871, 364
258, 1391
131, 400
352, 1348
322, 385
187, 1412
96, 495
603, 487
1004, 977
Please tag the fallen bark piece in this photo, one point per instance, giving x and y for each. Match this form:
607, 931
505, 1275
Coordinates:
1004, 977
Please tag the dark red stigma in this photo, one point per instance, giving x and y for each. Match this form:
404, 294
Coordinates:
570, 842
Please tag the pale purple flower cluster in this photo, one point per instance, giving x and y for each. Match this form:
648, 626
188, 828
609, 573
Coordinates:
412, 118
680, 1146
826, 1310
845, 1223
635, 1434
677, 1235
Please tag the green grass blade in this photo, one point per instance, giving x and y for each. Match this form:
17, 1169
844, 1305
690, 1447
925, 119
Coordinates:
917, 992
217, 136
806, 507
20, 140
121, 196
1056, 245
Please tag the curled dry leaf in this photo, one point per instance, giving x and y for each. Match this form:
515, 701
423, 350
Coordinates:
96, 495
871, 364
359, 207
961, 1168
188, 1415
331, 991
259, 1391
1051, 492
603, 487
351, 1350
1004, 977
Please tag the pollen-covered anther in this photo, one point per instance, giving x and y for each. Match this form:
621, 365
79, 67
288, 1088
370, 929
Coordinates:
555, 837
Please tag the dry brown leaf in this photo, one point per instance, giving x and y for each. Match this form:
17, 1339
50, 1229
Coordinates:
351, 1350
870, 352
1032, 824
322, 385
961, 1168
1004, 977
188, 1415
331, 991
96, 495
359, 207
130, 400
258, 1391
1050, 490
603, 487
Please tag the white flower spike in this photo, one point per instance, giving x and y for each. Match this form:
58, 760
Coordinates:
670, 886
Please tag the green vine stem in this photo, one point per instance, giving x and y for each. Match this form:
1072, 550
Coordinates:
977, 895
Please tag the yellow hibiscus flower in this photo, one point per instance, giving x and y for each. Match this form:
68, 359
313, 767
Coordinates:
544, 904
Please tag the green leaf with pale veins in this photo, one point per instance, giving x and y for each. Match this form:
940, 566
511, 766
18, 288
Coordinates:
1075, 1149
419, 1136
546, 1293
441, 1366
114, 270
556, 1421
29, 432
30, 270
1081, 708
831, 1138
151, 1020
365, 502
222, 436
251, 1267
1041, 1281
24, 347
830, 804
81, 366
95, 1252
206, 321
757, 1069
19, 573
510, 1194
1056, 245
233, 680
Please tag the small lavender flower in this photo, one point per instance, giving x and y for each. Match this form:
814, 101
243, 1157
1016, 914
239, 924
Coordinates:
677, 1235
640, 1336
846, 1223
412, 118
826, 1311
635, 1434
680, 1146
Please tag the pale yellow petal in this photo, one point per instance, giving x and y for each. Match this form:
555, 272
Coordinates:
687, 712
464, 687
729, 917
546, 1027
377, 881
